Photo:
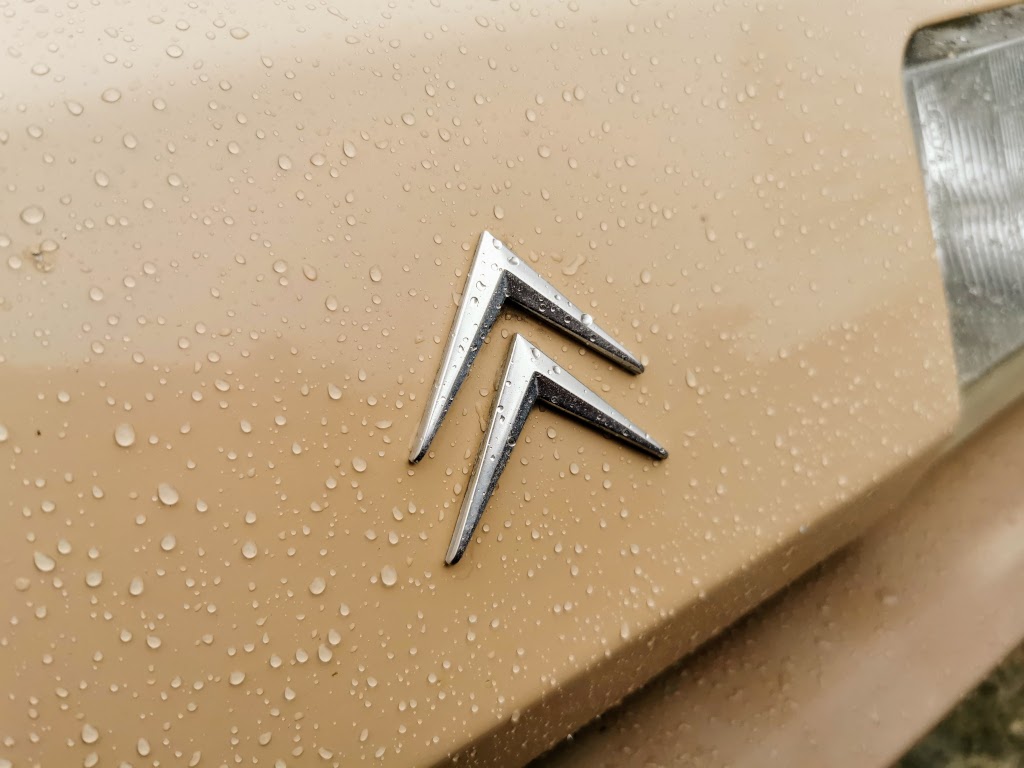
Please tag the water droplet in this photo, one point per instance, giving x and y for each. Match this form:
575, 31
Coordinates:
333, 391
89, 734
33, 214
174, 51
237, 677
168, 542
349, 149
136, 586
359, 464
94, 578
249, 550
44, 563
388, 576
408, 118
375, 273
167, 494
124, 435
239, 33
40, 68
284, 162
111, 95
317, 586
74, 108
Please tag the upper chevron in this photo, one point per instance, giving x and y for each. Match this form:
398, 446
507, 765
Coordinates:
498, 275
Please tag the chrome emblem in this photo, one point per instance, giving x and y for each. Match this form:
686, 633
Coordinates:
530, 376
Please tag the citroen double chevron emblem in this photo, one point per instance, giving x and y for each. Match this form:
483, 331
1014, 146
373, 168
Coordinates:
530, 376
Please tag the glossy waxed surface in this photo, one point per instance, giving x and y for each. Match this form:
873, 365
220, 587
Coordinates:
232, 240
852, 664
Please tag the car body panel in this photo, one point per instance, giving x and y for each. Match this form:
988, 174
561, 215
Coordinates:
853, 663
243, 231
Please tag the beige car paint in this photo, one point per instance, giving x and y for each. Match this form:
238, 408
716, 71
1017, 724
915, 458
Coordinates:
852, 664
233, 239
